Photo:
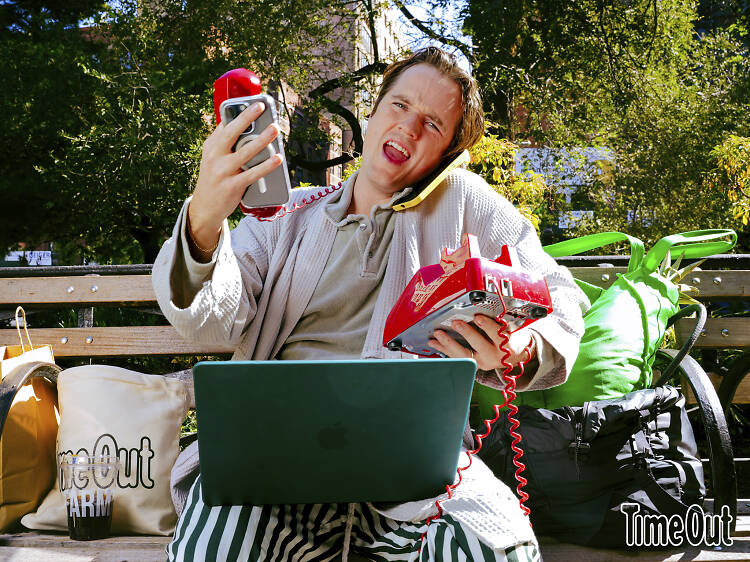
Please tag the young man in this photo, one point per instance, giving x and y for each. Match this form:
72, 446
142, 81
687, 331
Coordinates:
319, 282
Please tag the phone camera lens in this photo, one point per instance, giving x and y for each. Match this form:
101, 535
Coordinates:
234, 110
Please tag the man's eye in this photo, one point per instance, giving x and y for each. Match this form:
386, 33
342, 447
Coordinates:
399, 104
435, 127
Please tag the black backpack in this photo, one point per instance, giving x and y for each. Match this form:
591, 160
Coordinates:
583, 463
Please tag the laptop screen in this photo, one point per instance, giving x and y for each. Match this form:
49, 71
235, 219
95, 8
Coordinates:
288, 432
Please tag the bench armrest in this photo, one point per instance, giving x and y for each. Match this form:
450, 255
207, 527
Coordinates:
721, 456
732, 379
17, 378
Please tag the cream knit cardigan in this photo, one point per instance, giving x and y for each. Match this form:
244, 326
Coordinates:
260, 279
255, 289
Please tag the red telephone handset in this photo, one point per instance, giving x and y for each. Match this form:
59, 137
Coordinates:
236, 83
239, 83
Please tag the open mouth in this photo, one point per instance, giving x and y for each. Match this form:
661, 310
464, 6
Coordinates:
395, 153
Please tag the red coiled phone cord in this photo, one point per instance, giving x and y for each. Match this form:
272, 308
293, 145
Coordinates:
270, 214
509, 394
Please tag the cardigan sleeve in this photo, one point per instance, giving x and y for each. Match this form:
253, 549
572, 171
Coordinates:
212, 302
557, 336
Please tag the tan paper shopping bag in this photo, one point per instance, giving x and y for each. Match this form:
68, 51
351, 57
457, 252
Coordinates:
27, 444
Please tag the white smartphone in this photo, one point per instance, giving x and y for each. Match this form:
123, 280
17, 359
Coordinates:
275, 188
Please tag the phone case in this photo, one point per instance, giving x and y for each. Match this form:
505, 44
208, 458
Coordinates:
275, 188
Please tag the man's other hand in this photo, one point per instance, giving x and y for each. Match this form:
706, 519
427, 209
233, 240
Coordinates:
485, 342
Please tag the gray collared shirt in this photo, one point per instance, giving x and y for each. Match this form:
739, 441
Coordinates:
335, 322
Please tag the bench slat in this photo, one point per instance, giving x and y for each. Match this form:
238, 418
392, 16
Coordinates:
111, 289
719, 284
86, 290
114, 341
600, 276
710, 284
737, 333
742, 394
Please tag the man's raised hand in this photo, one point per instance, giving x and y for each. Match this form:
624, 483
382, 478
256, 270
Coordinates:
221, 180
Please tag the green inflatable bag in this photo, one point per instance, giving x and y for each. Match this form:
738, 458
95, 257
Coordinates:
626, 323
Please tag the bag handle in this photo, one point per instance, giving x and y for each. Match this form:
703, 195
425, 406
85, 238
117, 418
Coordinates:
700, 322
576, 246
10, 385
25, 329
692, 244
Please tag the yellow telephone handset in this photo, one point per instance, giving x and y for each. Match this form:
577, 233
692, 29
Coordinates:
434, 180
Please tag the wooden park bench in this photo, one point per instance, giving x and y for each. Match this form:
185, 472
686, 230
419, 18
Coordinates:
89, 288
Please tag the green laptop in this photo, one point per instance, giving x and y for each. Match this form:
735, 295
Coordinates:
296, 432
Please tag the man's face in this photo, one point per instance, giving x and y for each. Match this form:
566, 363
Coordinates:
411, 129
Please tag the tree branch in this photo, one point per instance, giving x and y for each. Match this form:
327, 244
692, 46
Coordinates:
432, 34
351, 119
344, 80
338, 109
373, 35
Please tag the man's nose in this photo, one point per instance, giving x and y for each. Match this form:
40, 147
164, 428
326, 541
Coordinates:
410, 125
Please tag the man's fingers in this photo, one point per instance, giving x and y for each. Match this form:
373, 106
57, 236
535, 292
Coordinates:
448, 346
255, 146
250, 176
230, 132
474, 337
490, 327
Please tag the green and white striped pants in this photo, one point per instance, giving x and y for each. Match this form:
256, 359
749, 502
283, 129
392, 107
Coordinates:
319, 533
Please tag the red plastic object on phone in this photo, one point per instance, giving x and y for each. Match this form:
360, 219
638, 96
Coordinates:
236, 83
461, 285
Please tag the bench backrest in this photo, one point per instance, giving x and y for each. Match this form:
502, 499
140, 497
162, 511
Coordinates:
719, 333
86, 341
83, 292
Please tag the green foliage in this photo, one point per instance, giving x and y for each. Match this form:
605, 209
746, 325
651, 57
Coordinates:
42, 87
126, 173
33, 17
493, 159
630, 77
546, 64
189, 424
351, 167
663, 147
108, 121
731, 175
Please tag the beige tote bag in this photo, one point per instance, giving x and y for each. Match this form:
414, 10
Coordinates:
137, 417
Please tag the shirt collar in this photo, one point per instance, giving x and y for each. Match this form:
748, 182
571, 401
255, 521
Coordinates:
336, 209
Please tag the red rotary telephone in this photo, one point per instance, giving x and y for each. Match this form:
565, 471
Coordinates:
461, 285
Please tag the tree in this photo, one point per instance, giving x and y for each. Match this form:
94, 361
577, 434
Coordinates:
663, 147
42, 84
127, 104
633, 77
731, 175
